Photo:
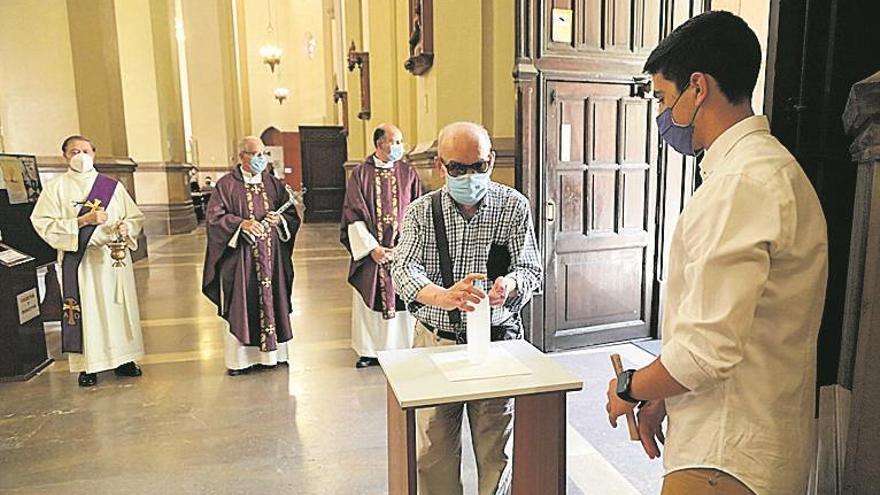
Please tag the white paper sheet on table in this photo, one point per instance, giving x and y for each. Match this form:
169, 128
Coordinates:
456, 367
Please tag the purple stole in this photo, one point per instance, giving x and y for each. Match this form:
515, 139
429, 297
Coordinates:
387, 231
258, 206
71, 320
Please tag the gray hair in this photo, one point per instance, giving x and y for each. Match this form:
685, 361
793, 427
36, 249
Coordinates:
243, 143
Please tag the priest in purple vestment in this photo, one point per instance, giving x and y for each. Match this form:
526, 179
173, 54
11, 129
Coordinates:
376, 197
248, 268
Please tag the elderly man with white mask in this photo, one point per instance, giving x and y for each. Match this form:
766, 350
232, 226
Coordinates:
469, 230
79, 213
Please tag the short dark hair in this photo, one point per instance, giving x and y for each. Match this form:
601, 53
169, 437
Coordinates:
378, 134
76, 137
717, 43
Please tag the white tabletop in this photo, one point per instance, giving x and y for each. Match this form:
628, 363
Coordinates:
417, 381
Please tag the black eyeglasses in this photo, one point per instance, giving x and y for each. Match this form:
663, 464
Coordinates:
456, 169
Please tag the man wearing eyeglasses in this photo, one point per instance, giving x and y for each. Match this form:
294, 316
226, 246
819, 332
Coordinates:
377, 194
489, 234
248, 268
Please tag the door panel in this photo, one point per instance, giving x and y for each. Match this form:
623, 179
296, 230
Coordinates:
600, 173
324, 151
605, 205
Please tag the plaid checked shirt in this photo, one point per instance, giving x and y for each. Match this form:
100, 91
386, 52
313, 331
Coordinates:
503, 218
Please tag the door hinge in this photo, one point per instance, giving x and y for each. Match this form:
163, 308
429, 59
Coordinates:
550, 211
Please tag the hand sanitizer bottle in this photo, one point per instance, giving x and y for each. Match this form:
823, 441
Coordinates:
478, 324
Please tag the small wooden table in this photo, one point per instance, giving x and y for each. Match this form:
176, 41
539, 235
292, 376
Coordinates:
415, 381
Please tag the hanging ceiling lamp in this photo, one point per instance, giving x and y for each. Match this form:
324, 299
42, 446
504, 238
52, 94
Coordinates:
281, 94
271, 52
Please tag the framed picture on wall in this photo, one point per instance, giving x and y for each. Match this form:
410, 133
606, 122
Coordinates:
20, 178
20, 187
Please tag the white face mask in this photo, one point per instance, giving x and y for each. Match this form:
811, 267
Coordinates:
82, 163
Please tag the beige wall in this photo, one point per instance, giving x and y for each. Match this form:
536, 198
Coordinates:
470, 79
138, 73
305, 77
208, 47
498, 60
357, 139
38, 107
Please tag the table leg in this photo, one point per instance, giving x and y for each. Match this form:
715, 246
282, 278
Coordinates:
539, 426
401, 447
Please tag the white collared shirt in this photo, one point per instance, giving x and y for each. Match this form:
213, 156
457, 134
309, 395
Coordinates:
250, 178
746, 289
380, 164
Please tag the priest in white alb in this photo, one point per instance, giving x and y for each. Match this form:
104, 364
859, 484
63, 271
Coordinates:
376, 197
79, 213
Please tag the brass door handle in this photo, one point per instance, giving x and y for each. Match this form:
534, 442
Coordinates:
550, 211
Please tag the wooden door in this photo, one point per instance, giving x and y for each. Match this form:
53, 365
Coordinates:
324, 151
601, 170
606, 193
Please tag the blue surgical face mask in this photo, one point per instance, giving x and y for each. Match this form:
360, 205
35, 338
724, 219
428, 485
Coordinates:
679, 136
468, 189
258, 163
396, 152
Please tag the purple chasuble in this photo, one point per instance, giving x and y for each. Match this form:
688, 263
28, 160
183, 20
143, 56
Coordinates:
379, 198
71, 320
252, 282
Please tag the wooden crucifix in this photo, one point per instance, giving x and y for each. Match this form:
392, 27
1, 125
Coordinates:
421, 37
361, 60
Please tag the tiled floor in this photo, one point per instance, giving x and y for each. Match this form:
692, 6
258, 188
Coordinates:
317, 427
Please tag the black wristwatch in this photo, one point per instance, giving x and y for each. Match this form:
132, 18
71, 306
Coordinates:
624, 386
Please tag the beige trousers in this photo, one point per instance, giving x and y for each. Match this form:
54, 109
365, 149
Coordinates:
438, 440
702, 482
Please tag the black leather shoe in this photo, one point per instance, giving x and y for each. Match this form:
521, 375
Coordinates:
88, 379
243, 371
366, 362
128, 369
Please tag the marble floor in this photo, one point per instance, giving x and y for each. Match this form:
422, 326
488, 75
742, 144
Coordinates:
315, 427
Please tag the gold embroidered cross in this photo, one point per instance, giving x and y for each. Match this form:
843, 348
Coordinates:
94, 205
72, 309
267, 282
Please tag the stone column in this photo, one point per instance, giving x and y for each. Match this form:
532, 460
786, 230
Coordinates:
860, 345
128, 95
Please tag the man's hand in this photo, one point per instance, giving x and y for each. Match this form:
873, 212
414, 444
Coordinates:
253, 227
122, 229
651, 426
96, 217
273, 218
462, 294
500, 291
382, 255
616, 406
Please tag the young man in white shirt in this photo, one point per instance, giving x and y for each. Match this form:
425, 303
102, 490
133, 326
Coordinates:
748, 269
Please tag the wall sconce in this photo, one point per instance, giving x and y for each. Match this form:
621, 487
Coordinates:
340, 96
271, 56
281, 94
361, 61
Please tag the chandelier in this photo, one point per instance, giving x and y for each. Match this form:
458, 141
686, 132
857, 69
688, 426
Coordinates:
271, 56
281, 94
271, 52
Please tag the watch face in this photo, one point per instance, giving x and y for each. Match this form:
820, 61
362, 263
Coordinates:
623, 382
